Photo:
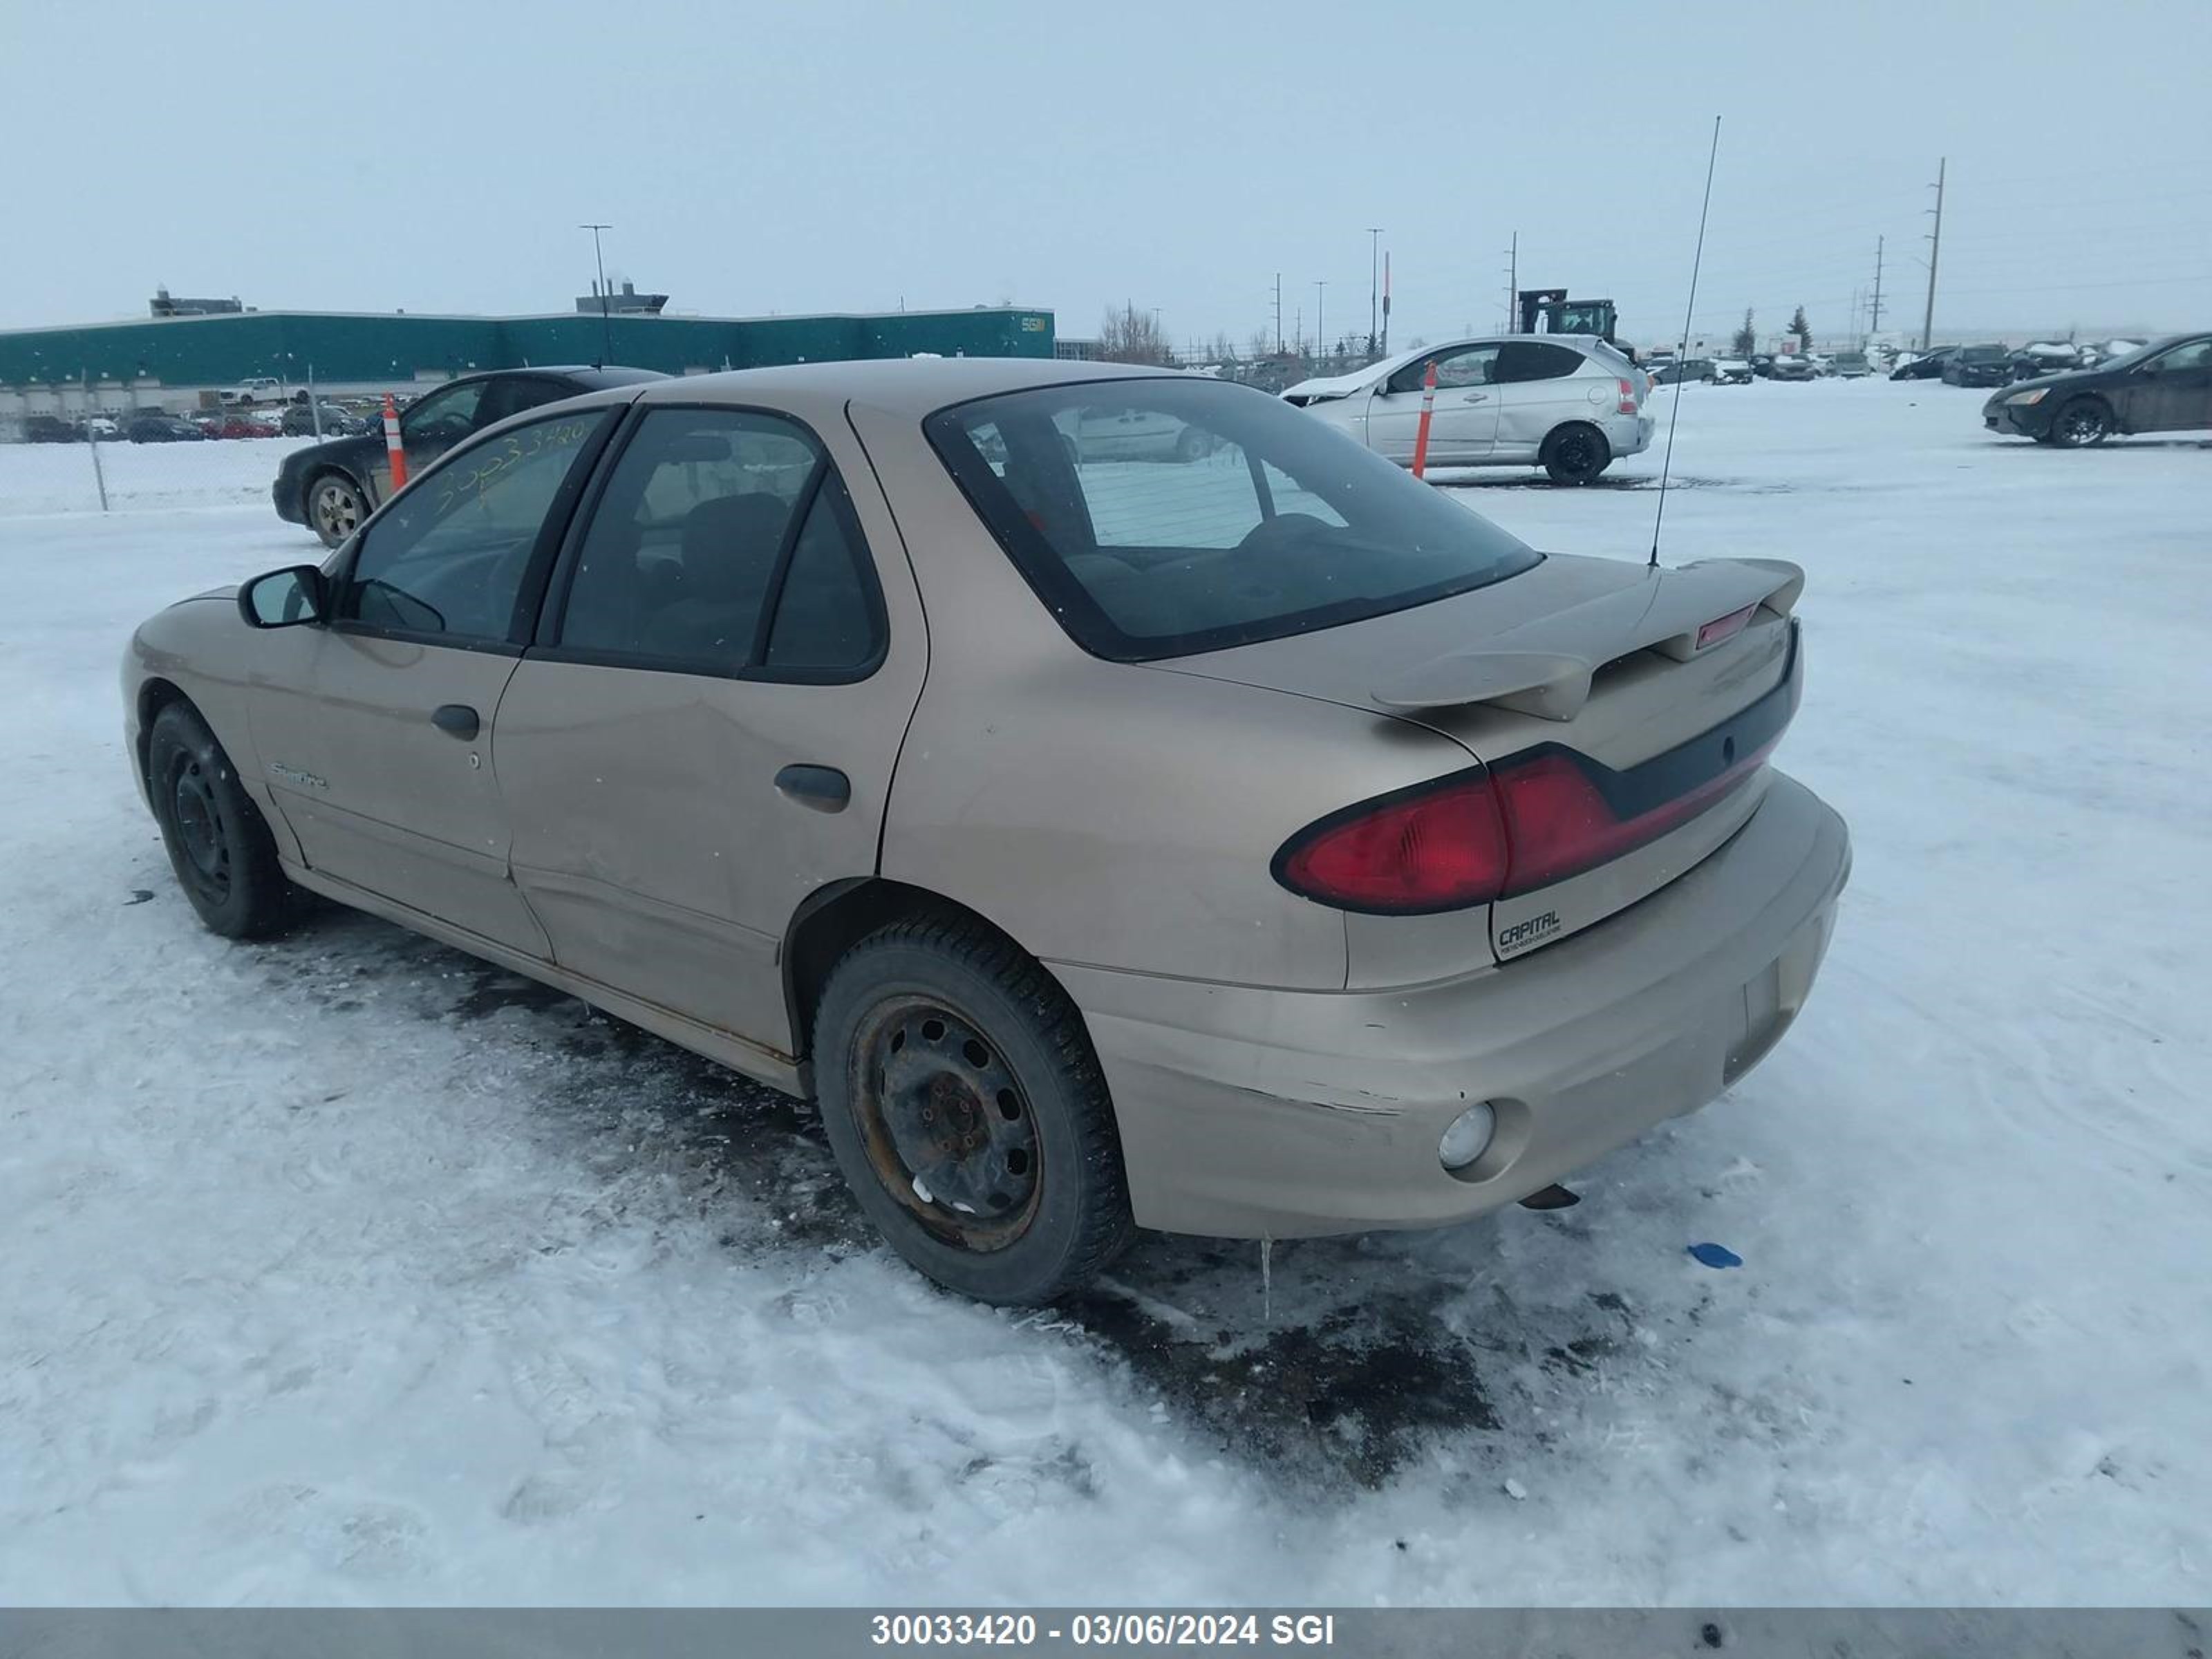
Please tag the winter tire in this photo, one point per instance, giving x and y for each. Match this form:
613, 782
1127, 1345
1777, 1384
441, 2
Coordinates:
2083, 422
218, 843
964, 1102
1576, 454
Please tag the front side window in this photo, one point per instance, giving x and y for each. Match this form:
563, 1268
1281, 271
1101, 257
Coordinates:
1265, 523
1468, 365
445, 417
723, 542
2198, 356
448, 556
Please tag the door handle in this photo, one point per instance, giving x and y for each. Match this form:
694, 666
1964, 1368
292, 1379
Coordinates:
1476, 397
823, 788
457, 719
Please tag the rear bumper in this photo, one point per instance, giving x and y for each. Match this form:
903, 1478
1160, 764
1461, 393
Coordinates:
1250, 1113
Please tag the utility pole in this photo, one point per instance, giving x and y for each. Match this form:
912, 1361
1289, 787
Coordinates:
606, 329
1386, 305
1279, 314
1373, 281
1934, 251
1874, 312
1321, 335
1513, 283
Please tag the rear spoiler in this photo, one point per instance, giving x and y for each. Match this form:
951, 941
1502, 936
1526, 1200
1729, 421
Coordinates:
1544, 667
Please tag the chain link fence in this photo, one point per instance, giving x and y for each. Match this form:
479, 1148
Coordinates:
132, 459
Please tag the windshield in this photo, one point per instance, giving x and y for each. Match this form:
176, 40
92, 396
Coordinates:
1158, 518
2140, 354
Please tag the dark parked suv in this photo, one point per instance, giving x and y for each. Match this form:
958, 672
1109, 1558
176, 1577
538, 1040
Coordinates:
2167, 387
331, 487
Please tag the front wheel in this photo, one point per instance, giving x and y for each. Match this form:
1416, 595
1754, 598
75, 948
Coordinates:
218, 843
1576, 454
2083, 422
335, 507
964, 1102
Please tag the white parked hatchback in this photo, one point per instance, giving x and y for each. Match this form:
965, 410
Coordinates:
1568, 403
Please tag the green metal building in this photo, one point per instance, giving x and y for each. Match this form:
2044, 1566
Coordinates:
373, 349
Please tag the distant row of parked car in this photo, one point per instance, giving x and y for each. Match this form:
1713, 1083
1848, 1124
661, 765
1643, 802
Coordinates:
1994, 363
294, 420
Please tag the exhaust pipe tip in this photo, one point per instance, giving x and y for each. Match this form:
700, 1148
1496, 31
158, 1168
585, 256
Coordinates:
1554, 1197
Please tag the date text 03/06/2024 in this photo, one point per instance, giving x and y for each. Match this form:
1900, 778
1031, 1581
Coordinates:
1022, 1630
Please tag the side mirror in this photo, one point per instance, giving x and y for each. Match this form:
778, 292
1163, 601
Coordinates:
283, 599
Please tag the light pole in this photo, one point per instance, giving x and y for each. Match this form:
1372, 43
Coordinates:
606, 329
1321, 334
1373, 281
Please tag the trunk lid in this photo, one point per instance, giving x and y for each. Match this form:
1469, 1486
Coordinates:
1608, 668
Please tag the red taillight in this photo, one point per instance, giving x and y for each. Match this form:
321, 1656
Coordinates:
1473, 838
1559, 825
1627, 397
1439, 847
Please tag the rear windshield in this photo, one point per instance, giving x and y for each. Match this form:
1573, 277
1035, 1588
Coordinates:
1158, 517
1985, 353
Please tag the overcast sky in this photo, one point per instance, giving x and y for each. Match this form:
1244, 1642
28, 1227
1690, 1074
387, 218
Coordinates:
820, 156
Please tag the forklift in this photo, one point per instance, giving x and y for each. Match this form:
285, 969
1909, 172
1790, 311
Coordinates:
1556, 314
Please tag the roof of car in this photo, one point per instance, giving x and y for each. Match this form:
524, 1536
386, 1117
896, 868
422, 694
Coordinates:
906, 385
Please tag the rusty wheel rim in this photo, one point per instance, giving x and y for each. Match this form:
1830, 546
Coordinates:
947, 1126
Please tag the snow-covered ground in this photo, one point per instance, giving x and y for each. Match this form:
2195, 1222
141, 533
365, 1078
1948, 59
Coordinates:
346, 1270
51, 478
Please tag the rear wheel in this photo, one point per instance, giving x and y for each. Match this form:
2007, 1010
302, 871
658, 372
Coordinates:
961, 1095
1575, 454
218, 843
2083, 422
335, 507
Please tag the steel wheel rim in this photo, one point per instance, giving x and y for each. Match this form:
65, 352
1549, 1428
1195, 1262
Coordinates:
1577, 453
199, 831
946, 1125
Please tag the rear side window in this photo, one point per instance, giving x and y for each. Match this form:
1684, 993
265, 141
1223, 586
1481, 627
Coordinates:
1215, 516
1530, 360
724, 543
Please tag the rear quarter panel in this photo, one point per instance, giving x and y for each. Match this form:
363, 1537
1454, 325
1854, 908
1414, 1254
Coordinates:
1102, 813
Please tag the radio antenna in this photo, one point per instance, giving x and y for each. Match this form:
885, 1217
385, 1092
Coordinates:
1682, 352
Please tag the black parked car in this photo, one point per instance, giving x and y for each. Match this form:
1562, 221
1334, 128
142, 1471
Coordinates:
163, 429
2165, 387
331, 487
1928, 366
1978, 365
50, 429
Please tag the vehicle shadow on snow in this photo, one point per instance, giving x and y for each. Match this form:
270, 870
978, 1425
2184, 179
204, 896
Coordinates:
1334, 1361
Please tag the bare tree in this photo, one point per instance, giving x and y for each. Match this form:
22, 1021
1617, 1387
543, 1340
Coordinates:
1131, 336
1262, 345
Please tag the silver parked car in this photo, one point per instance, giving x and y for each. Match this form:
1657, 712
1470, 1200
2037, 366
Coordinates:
1567, 403
1239, 838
